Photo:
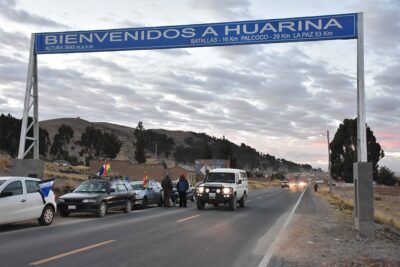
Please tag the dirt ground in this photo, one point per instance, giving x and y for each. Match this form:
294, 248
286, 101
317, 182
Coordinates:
324, 236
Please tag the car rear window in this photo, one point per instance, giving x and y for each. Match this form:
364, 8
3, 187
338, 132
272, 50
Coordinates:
92, 187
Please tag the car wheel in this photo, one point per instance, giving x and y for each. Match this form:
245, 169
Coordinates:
200, 204
47, 216
145, 203
102, 210
242, 201
160, 202
128, 206
64, 213
233, 203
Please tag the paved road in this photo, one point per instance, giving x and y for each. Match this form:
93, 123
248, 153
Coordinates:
155, 236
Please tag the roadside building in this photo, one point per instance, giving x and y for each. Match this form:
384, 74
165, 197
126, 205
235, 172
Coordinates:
135, 172
176, 171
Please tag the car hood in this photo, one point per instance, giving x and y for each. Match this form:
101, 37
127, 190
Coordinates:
80, 195
217, 184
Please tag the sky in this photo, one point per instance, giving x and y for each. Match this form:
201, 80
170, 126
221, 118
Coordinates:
277, 98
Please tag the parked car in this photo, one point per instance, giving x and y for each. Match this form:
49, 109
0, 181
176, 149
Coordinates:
285, 183
147, 196
223, 186
20, 200
98, 195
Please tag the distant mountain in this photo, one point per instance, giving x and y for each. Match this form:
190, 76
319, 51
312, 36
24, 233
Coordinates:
180, 146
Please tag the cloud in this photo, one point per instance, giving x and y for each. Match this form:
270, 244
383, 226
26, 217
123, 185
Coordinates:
228, 9
9, 11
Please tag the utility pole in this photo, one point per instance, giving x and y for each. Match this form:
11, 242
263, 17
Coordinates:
329, 161
156, 154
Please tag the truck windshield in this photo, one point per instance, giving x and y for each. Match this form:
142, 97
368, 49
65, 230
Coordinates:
221, 177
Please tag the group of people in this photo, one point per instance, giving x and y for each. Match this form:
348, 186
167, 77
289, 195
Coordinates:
182, 186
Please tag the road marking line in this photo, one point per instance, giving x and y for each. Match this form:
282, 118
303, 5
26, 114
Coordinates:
267, 257
188, 218
71, 252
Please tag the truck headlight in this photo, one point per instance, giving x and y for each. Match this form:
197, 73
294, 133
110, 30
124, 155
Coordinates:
200, 189
227, 190
89, 201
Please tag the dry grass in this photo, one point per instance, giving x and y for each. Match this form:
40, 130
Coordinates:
255, 184
383, 214
5, 163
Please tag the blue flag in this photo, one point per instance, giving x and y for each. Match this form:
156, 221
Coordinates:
45, 186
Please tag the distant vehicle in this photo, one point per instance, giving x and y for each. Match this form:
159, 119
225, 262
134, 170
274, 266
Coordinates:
147, 196
223, 186
285, 183
20, 200
98, 195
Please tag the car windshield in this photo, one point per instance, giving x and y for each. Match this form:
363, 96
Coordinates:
137, 186
222, 177
92, 187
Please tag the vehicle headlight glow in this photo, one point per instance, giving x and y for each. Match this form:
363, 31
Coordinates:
226, 190
200, 189
89, 201
218, 191
207, 190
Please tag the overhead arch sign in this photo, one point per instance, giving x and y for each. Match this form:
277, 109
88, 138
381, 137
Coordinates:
302, 29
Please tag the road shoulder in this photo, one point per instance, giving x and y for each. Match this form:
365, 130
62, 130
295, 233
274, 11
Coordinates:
320, 235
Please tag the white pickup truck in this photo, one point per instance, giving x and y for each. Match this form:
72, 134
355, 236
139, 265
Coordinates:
223, 186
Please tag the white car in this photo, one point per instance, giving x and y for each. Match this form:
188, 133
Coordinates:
223, 186
20, 200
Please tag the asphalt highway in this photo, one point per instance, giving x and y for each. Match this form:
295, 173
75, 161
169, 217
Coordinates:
156, 236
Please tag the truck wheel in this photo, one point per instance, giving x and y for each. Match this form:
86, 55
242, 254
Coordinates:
233, 203
47, 216
242, 201
200, 204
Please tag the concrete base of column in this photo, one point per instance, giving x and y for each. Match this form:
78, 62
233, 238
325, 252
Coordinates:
28, 168
363, 198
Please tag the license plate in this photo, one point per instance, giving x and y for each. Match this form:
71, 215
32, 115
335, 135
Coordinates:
211, 195
71, 207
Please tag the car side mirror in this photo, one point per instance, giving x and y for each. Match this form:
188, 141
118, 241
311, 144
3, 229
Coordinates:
71, 190
112, 190
6, 194
149, 188
239, 182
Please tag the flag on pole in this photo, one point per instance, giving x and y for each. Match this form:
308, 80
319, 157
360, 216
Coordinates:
145, 180
105, 169
45, 186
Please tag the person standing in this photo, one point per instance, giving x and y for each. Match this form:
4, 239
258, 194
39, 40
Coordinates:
166, 184
182, 186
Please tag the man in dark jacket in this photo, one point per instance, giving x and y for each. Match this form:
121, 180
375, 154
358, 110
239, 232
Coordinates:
166, 184
182, 186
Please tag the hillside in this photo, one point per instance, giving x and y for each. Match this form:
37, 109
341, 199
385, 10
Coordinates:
180, 146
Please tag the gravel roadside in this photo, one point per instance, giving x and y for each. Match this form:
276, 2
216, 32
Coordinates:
320, 235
